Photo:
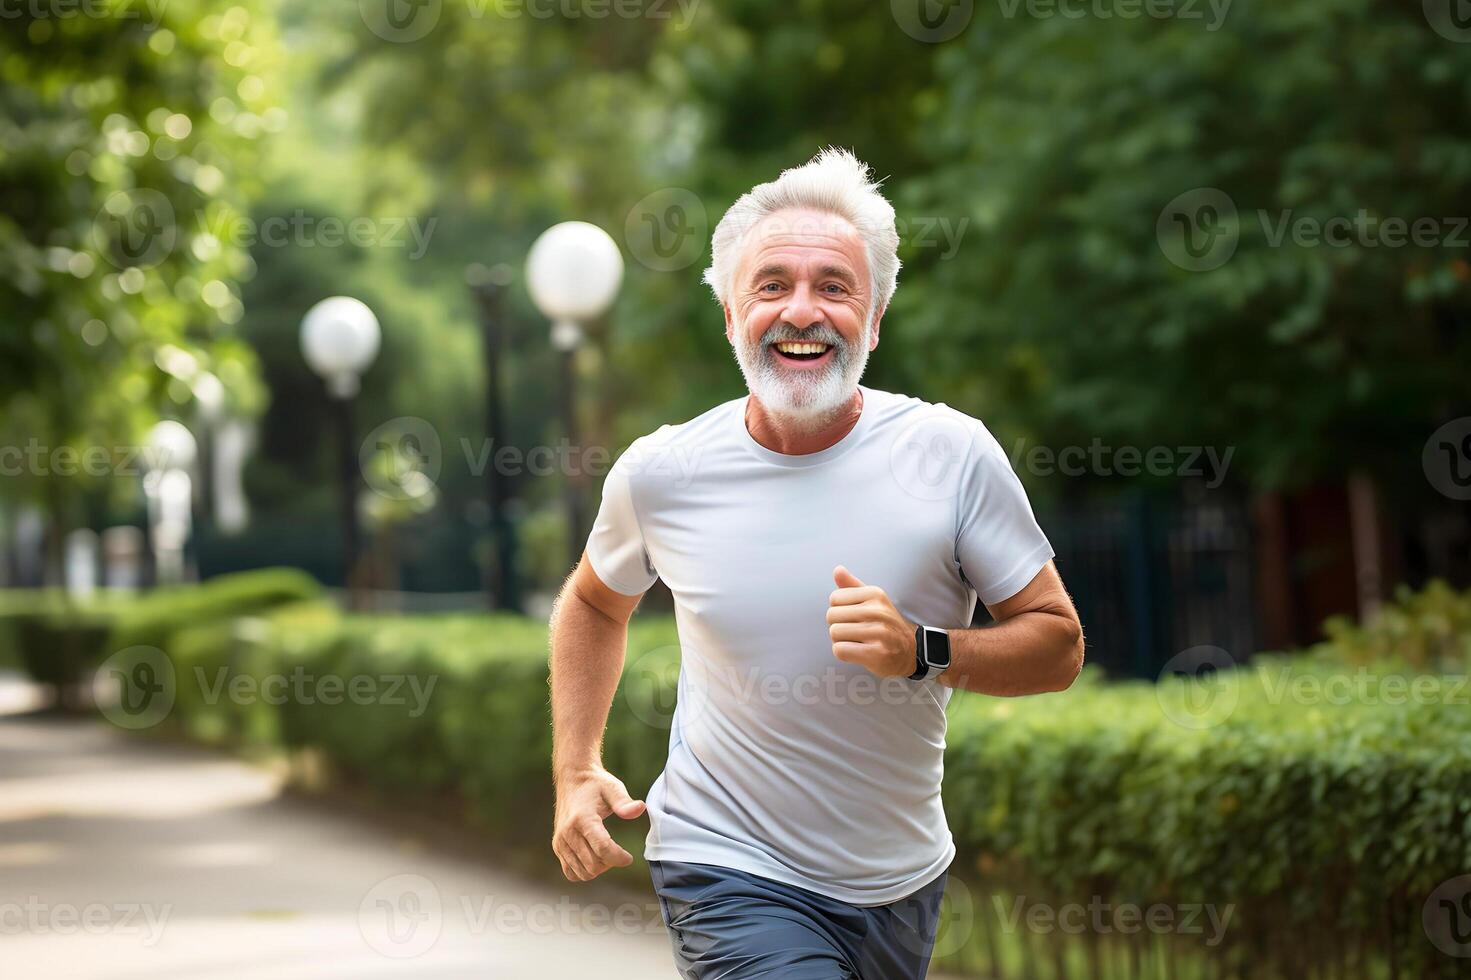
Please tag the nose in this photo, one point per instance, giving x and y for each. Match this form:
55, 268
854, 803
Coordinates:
801, 308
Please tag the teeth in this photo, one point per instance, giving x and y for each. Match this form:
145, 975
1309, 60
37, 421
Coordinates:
788, 347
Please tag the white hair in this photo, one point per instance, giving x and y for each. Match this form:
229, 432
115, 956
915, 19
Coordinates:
835, 181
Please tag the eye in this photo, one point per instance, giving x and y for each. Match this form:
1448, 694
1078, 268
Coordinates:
834, 288
770, 286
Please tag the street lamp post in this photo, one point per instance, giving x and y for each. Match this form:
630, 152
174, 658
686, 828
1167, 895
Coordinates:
488, 285
169, 490
573, 272
339, 339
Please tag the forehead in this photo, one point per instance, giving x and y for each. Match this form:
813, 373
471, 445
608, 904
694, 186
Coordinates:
799, 235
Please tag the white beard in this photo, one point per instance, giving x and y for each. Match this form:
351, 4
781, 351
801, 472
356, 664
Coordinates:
803, 396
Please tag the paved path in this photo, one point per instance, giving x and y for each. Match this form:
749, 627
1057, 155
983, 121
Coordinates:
122, 859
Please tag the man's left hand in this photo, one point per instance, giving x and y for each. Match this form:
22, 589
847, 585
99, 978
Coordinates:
866, 629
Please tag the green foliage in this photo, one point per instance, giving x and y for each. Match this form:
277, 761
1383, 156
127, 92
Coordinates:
59, 639
125, 143
1030, 160
1429, 630
1304, 813
154, 618
1064, 140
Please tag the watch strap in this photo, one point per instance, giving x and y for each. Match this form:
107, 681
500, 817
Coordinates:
921, 666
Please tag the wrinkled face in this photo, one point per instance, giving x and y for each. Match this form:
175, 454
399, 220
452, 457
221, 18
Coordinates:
798, 312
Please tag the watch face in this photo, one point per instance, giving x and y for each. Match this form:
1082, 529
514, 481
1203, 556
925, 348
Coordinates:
937, 647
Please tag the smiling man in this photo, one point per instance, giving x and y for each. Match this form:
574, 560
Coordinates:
825, 554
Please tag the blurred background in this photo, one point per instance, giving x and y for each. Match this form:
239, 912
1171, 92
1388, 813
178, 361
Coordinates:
306, 382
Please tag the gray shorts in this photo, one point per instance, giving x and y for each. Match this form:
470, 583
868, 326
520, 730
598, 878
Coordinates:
730, 925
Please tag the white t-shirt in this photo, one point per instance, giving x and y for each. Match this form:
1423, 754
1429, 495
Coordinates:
784, 761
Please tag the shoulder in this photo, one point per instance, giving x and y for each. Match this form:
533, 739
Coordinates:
933, 426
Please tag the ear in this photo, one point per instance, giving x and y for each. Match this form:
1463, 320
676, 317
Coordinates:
878, 319
729, 323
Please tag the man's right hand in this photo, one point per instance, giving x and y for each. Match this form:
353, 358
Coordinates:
580, 840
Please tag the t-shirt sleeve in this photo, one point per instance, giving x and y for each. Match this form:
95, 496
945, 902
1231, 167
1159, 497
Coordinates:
998, 543
615, 546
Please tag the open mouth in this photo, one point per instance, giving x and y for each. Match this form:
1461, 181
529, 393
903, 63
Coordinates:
799, 352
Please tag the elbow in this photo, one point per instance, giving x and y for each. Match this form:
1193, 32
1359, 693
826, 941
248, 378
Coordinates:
1070, 663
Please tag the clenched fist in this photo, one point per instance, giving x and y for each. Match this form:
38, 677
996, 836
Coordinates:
866, 629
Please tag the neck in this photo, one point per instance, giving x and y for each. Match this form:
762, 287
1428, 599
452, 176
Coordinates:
799, 436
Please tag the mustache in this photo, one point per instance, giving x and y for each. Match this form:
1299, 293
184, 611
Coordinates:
816, 335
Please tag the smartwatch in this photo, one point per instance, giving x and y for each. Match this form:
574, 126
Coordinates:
931, 652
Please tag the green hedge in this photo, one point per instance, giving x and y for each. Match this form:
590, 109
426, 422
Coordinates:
1429, 630
1308, 799
59, 640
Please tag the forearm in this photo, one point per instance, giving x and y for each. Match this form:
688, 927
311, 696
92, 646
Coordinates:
587, 654
1030, 653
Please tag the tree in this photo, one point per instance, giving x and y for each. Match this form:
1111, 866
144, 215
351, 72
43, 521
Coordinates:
126, 139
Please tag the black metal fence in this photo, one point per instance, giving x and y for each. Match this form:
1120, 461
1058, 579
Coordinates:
1154, 576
